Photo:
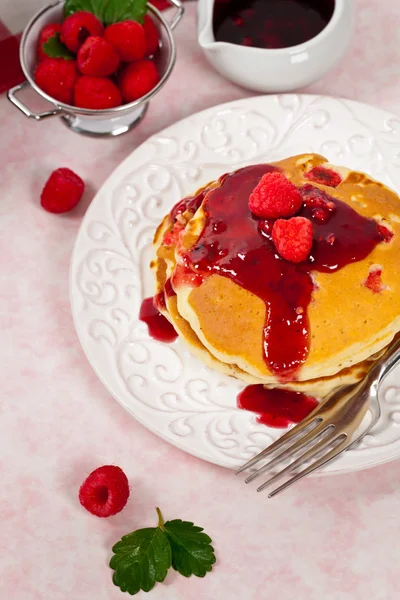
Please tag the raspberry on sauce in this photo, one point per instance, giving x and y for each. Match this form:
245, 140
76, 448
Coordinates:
293, 238
275, 196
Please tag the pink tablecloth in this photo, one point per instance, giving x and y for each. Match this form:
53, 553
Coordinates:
332, 538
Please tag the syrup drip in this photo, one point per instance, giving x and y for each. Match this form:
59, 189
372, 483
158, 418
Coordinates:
159, 327
276, 408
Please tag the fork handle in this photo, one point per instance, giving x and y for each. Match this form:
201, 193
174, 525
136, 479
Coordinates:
388, 361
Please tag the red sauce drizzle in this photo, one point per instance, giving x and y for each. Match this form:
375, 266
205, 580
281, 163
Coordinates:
191, 204
276, 408
159, 327
233, 245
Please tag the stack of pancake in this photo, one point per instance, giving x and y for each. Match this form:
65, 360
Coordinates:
354, 308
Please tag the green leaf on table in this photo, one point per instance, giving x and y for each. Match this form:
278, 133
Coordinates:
140, 559
109, 11
122, 10
192, 553
143, 557
56, 49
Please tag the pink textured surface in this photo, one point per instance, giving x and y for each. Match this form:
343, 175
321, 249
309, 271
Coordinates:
321, 540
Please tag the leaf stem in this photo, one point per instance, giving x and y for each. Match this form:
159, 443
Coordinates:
160, 518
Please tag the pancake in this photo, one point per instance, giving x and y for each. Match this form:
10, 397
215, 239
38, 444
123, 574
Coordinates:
163, 266
347, 321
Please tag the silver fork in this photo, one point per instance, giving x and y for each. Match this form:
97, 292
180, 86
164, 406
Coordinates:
328, 431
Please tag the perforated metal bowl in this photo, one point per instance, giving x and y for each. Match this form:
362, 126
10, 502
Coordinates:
102, 123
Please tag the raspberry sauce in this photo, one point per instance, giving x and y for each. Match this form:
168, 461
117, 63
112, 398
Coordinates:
236, 244
276, 408
270, 23
159, 327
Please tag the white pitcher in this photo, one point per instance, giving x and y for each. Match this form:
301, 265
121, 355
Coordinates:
283, 69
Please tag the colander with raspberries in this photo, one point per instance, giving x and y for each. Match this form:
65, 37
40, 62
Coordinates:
87, 56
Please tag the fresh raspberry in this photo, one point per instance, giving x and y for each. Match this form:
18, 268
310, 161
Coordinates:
324, 176
385, 233
128, 38
79, 26
62, 191
137, 79
374, 280
293, 238
57, 77
152, 36
274, 196
97, 57
105, 492
47, 32
96, 93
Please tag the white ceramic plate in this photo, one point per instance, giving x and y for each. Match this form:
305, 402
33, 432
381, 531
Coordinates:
161, 385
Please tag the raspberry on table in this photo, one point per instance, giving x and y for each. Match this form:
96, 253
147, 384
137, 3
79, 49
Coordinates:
293, 238
128, 38
97, 57
105, 492
57, 77
137, 79
47, 32
152, 36
96, 93
62, 191
79, 26
323, 176
275, 196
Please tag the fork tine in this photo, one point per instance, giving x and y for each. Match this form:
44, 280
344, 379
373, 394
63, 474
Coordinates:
333, 453
307, 455
294, 433
314, 434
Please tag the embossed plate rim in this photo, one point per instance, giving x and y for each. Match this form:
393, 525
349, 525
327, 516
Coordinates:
377, 455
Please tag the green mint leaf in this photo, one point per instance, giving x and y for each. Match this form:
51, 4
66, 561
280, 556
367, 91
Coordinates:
56, 49
122, 10
93, 6
140, 559
192, 553
109, 11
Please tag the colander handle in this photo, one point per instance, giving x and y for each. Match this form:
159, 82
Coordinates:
178, 14
11, 95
